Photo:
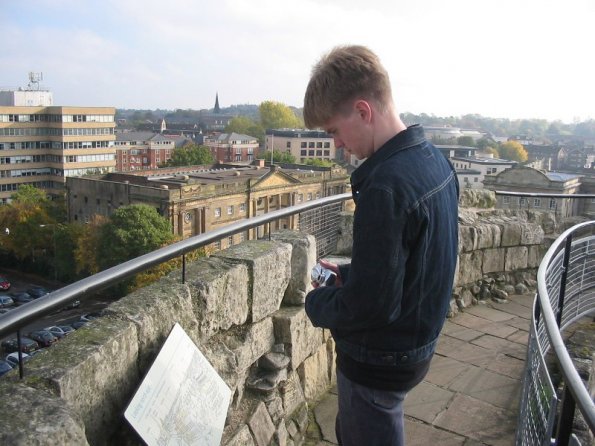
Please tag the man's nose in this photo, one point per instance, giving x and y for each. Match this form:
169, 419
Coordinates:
338, 143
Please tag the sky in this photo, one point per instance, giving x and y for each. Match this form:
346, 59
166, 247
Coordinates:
510, 59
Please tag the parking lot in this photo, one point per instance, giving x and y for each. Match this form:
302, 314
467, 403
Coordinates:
22, 283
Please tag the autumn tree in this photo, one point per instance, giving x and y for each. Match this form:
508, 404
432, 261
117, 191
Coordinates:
513, 150
190, 155
275, 115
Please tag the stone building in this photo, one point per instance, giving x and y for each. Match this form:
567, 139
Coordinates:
471, 171
43, 145
198, 199
529, 180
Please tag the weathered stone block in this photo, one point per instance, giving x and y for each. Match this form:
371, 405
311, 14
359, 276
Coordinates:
293, 328
269, 266
531, 234
241, 438
303, 258
261, 425
155, 310
34, 417
511, 234
470, 267
493, 260
219, 291
314, 374
487, 235
233, 352
345, 238
516, 258
292, 393
94, 370
535, 254
466, 238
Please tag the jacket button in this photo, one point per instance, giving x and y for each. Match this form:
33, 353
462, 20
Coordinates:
404, 358
388, 358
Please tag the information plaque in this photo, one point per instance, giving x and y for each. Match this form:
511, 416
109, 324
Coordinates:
182, 400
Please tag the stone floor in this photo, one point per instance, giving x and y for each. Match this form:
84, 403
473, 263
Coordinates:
471, 394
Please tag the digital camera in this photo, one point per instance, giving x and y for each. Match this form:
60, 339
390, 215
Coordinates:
322, 276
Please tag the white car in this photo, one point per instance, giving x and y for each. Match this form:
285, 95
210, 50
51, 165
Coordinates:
13, 358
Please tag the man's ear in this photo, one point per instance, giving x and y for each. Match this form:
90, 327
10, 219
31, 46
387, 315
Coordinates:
364, 110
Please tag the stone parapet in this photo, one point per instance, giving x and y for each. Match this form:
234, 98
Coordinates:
243, 307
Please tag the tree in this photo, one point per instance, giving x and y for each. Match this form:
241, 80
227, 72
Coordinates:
275, 115
190, 155
513, 150
278, 157
245, 126
86, 242
130, 232
318, 162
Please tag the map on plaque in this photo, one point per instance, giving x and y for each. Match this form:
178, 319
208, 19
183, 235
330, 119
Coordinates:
182, 400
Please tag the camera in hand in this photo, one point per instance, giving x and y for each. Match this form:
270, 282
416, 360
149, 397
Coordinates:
322, 276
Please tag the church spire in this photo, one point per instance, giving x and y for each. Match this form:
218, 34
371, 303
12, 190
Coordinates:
217, 110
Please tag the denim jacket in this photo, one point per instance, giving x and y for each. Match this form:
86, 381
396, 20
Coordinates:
397, 289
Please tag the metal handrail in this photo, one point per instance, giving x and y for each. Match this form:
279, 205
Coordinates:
571, 376
11, 322
542, 194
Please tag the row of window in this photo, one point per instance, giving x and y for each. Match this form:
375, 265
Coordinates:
320, 153
312, 145
30, 159
522, 201
39, 184
87, 171
89, 158
43, 117
46, 131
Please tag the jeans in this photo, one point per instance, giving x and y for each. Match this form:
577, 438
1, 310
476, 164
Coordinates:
368, 416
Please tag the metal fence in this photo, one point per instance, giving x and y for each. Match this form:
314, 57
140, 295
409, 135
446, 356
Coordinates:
566, 293
318, 217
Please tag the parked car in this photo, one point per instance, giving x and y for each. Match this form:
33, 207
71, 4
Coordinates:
90, 316
43, 337
20, 298
27, 345
4, 310
37, 291
13, 358
4, 283
60, 330
78, 324
5, 367
6, 301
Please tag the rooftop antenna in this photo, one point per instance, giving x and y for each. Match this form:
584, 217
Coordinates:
34, 80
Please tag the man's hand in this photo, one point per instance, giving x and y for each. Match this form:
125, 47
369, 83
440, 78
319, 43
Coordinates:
334, 268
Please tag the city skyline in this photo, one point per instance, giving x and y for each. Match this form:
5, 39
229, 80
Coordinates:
503, 59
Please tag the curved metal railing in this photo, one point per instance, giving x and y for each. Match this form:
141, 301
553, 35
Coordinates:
565, 293
317, 217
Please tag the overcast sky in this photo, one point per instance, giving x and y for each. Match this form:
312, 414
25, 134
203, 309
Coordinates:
498, 58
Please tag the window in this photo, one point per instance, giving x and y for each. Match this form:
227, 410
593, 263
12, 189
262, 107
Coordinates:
242, 207
327, 145
303, 145
522, 201
311, 145
537, 202
303, 152
288, 144
230, 240
217, 212
475, 180
309, 196
506, 200
319, 145
300, 198
229, 210
552, 203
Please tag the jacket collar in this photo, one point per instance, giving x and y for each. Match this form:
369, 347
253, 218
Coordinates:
411, 136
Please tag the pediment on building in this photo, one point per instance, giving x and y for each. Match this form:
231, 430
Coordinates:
275, 178
523, 176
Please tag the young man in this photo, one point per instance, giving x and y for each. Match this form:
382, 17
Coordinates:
390, 303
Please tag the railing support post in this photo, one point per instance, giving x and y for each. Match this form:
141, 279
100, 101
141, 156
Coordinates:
563, 278
183, 268
566, 419
20, 354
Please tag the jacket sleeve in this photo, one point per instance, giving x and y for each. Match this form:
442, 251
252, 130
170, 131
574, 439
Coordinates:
371, 295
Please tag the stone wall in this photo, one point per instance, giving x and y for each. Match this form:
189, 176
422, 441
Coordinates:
243, 307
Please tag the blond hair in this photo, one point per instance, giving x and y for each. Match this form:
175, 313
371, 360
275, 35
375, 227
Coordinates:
344, 74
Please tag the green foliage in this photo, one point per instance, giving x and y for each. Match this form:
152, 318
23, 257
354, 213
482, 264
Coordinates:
190, 155
30, 195
245, 126
130, 232
318, 162
513, 150
275, 115
278, 157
